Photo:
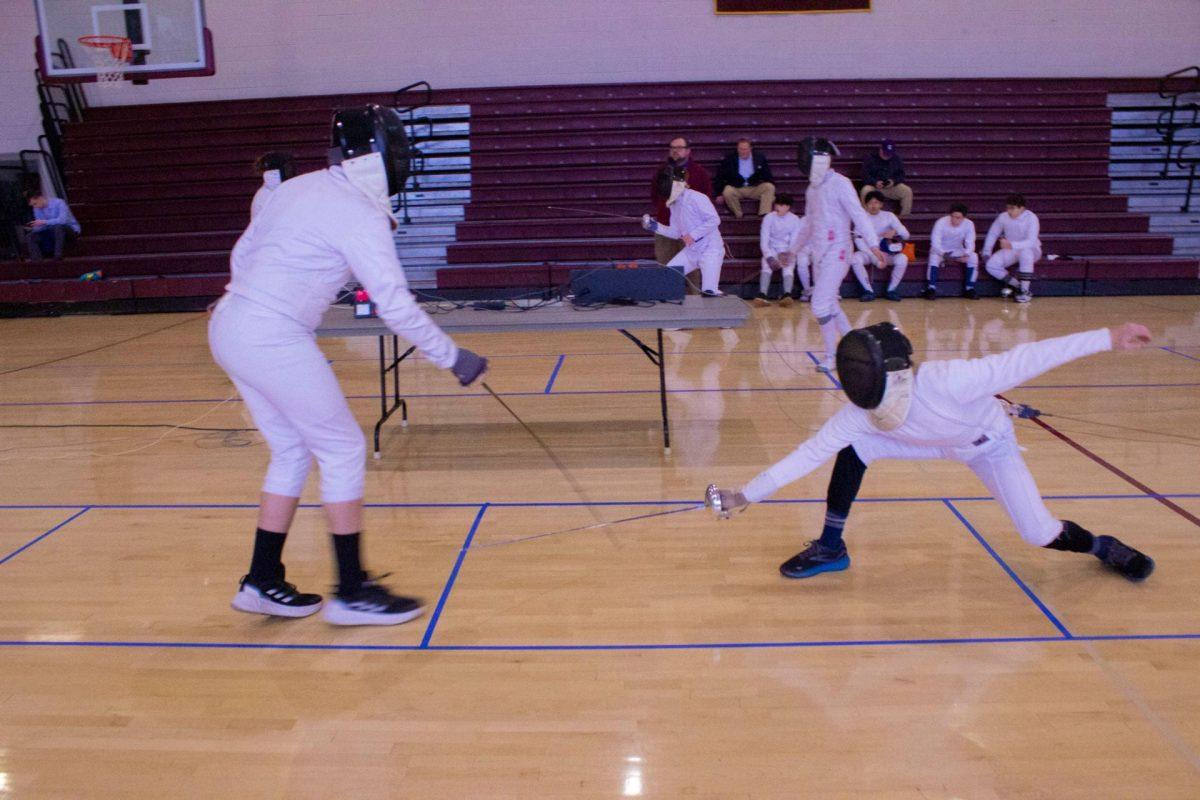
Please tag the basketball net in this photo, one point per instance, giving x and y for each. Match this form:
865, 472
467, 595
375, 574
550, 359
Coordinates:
110, 54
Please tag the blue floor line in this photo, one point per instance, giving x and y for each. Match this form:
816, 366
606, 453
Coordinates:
816, 361
449, 587
1012, 574
32, 542
554, 375
576, 503
769, 645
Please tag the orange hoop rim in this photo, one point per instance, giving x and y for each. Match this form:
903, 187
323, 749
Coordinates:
119, 47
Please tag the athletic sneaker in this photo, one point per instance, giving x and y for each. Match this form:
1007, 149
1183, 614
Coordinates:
806, 297
712, 293
893, 295
970, 293
761, 301
825, 367
1023, 297
1006, 291
866, 297
372, 605
930, 293
1124, 559
276, 598
786, 301
815, 559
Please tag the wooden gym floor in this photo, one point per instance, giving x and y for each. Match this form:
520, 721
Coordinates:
659, 658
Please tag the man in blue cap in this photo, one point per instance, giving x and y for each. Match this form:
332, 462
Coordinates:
883, 172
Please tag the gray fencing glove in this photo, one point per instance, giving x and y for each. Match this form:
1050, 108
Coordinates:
468, 366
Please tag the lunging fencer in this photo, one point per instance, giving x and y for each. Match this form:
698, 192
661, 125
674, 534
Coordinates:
831, 205
694, 220
953, 241
944, 410
300, 248
1016, 231
779, 239
892, 236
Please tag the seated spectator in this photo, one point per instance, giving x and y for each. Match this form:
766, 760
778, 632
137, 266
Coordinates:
679, 154
953, 242
1017, 231
883, 172
52, 227
745, 175
779, 238
274, 168
892, 236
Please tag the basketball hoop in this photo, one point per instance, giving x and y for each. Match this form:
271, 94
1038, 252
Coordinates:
110, 54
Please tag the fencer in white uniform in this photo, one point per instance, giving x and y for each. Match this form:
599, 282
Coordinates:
1017, 231
274, 168
694, 219
944, 410
887, 226
831, 205
779, 239
287, 267
953, 239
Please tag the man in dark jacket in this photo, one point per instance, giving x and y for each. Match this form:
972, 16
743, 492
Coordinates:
745, 175
679, 154
883, 172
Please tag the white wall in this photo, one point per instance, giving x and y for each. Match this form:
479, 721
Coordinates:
286, 47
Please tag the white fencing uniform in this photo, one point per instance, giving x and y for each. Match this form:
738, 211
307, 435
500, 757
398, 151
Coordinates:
1022, 233
830, 208
883, 221
950, 241
779, 237
695, 215
260, 199
287, 268
953, 416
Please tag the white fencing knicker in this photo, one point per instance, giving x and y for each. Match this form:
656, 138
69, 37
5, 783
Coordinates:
293, 397
998, 463
706, 255
829, 270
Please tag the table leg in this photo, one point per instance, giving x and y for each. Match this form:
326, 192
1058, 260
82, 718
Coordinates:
658, 358
386, 408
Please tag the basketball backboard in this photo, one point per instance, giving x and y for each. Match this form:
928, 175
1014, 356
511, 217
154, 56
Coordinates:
168, 37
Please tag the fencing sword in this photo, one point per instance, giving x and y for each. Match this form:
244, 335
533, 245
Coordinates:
592, 527
594, 212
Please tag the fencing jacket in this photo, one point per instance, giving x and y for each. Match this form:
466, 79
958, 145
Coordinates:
952, 407
1021, 232
695, 215
947, 238
881, 222
829, 209
303, 246
781, 234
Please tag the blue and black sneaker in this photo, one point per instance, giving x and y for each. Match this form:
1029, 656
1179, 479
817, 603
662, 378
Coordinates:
815, 559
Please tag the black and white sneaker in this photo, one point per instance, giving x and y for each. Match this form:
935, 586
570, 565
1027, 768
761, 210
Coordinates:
276, 598
1007, 291
372, 605
1134, 565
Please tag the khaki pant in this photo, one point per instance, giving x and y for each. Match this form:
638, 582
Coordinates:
899, 192
666, 248
764, 193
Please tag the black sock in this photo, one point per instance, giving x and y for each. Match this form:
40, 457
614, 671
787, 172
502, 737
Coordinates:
1075, 539
266, 564
844, 483
350, 572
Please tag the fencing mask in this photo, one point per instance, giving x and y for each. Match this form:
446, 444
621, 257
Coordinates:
275, 168
670, 182
814, 156
372, 147
875, 370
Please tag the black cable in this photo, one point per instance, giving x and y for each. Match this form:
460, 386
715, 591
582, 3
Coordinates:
133, 425
101, 347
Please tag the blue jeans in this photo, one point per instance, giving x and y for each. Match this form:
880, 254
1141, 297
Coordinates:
48, 240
